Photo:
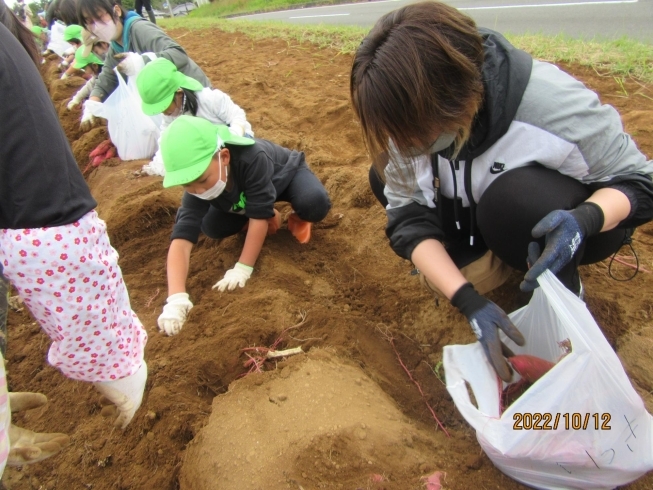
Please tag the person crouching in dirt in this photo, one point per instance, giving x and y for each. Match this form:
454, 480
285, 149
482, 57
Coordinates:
488, 156
55, 249
131, 39
88, 58
165, 90
231, 184
72, 34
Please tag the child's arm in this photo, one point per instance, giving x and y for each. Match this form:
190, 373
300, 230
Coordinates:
178, 264
241, 272
175, 311
221, 107
82, 94
258, 229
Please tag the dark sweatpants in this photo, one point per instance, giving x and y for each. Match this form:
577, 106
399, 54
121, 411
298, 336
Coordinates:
305, 193
507, 212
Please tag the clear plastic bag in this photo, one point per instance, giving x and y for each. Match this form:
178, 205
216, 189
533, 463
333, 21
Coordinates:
134, 134
590, 382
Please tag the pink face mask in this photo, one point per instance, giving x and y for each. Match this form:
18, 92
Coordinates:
104, 31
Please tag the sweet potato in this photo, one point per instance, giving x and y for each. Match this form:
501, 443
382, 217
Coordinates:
530, 368
101, 149
97, 161
110, 153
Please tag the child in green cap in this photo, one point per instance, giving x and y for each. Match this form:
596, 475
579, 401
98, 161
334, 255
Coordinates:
165, 90
231, 183
40, 34
91, 64
132, 39
72, 34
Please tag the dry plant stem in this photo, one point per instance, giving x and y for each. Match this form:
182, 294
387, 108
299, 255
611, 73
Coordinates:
624, 261
149, 301
256, 362
282, 353
391, 339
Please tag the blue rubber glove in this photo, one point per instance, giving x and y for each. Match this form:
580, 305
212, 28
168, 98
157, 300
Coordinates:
486, 318
564, 231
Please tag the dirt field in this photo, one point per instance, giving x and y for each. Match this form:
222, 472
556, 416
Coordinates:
343, 416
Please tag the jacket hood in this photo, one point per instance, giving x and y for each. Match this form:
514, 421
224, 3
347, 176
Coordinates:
506, 72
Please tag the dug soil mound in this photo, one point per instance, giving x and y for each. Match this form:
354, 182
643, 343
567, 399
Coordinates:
345, 298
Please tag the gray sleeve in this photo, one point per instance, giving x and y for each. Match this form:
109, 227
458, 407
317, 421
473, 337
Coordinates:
562, 106
146, 37
107, 81
412, 215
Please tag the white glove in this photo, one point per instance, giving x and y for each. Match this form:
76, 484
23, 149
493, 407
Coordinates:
125, 395
90, 106
73, 102
155, 167
237, 129
131, 64
234, 277
174, 313
26, 446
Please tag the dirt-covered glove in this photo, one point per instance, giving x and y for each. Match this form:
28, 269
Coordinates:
486, 318
26, 446
123, 396
175, 313
234, 277
130, 64
73, 103
564, 231
155, 167
88, 119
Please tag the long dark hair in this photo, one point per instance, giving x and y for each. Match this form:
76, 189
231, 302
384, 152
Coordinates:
191, 102
416, 74
22, 33
89, 9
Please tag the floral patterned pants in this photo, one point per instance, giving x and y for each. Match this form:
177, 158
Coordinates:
69, 278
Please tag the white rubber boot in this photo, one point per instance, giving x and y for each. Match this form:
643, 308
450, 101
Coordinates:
126, 394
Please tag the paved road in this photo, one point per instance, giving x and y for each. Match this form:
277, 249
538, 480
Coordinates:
605, 19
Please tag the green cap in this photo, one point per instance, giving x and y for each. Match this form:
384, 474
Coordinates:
158, 82
81, 61
36, 30
73, 31
188, 146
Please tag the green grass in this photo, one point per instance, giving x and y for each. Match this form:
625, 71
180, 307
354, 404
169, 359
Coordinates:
221, 8
622, 57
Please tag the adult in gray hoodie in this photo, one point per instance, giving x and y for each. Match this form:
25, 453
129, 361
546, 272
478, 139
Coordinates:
460, 119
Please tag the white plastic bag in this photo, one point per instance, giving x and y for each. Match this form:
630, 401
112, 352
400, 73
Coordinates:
588, 381
57, 44
134, 134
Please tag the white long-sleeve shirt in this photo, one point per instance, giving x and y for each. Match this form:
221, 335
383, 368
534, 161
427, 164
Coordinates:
214, 106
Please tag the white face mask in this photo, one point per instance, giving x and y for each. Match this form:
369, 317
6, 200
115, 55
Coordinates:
443, 141
104, 31
179, 109
218, 188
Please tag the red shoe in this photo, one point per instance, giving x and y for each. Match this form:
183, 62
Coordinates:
300, 229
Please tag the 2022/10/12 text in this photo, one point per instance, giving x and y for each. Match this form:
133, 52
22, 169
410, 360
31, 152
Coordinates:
573, 421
